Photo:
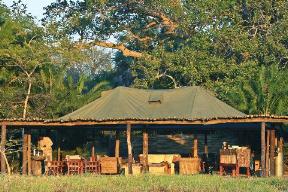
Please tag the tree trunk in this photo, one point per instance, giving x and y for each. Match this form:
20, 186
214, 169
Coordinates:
27, 98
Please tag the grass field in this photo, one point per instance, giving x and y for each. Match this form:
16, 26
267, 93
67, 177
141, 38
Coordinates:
89, 183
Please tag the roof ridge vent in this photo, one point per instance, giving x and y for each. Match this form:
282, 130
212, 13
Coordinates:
155, 97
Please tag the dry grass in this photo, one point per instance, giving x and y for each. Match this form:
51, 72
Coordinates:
89, 183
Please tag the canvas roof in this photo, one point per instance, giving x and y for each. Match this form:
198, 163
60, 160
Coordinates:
123, 103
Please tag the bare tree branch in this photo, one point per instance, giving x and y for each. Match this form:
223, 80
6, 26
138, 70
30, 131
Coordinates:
121, 47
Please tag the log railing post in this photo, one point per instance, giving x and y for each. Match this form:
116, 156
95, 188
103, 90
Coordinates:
263, 127
145, 150
129, 146
3, 143
117, 143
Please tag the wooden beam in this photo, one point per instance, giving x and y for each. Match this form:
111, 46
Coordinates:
29, 160
145, 150
267, 153
272, 152
117, 144
205, 145
195, 146
129, 146
263, 127
44, 123
24, 153
3, 143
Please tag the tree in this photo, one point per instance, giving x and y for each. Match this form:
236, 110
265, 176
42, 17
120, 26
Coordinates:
25, 52
139, 23
265, 93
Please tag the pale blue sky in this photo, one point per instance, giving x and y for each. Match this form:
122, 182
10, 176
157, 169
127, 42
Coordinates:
35, 7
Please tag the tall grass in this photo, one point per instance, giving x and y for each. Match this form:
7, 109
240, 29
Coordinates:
177, 183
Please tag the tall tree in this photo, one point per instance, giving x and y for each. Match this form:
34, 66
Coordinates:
25, 51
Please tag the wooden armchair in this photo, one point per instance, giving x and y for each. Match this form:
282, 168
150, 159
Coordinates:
74, 167
92, 166
54, 167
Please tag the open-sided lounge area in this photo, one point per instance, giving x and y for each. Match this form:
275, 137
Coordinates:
177, 131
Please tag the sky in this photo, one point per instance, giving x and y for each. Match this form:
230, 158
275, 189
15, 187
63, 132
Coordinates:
35, 7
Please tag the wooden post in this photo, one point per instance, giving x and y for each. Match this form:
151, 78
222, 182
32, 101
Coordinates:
93, 144
3, 143
267, 153
93, 151
263, 148
195, 146
29, 153
117, 144
59, 139
24, 153
279, 160
272, 151
130, 155
145, 150
205, 145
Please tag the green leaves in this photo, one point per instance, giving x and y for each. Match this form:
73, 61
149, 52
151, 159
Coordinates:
264, 93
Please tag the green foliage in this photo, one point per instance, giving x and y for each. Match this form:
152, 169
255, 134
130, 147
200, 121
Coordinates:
30, 56
221, 45
264, 93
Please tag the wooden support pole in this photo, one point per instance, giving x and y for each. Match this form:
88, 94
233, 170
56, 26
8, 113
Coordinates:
93, 144
267, 153
29, 160
145, 150
279, 159
272, 152
195, 146
129, 146
24, 153
59, 139
263, 127
3, 143
117, 143
205, 145
93, 151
